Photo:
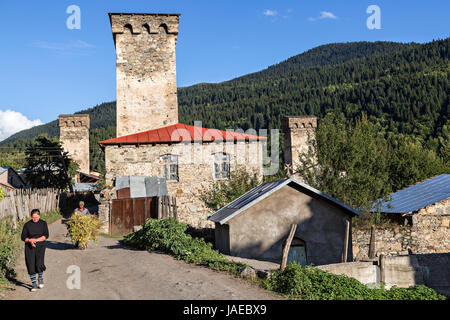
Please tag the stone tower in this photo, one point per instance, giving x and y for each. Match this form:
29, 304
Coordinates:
74, 135
299, 132
145, 70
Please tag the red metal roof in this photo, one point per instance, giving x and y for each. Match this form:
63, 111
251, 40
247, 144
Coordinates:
181, 132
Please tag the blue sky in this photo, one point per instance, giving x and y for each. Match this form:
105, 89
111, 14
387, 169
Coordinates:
47, 69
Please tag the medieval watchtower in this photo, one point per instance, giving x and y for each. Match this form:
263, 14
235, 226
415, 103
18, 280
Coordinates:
299, 133
145, 70
74, 135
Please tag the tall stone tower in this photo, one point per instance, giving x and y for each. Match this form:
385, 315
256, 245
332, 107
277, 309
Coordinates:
145, 70
299, 132
74, 135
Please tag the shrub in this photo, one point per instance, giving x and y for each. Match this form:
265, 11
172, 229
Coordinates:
309, 283
9, 246
169, 235
82, 229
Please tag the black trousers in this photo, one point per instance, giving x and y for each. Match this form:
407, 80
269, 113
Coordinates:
34, 258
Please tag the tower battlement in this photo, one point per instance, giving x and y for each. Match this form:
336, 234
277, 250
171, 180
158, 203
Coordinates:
144, 22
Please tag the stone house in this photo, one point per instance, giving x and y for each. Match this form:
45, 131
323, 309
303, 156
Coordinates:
191, 159
257, 224
421, 215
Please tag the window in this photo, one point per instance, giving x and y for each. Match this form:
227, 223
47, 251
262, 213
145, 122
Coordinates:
221, 166
170, 167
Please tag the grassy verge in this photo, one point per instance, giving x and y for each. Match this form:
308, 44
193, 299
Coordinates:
169, 236
11, 245
295, 282
309, 283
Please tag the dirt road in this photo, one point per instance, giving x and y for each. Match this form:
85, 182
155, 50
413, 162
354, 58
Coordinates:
111, 271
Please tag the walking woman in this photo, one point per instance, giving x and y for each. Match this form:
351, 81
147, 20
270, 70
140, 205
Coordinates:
34, 234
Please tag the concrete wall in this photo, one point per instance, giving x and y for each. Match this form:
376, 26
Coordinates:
432, 270
145, 71
260, 231
195, 170
74, 135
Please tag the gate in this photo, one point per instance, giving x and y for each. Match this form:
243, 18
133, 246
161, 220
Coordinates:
127, 213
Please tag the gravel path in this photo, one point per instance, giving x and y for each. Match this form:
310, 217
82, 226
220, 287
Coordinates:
111, 271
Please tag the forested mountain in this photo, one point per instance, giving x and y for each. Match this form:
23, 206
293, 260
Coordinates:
403, 87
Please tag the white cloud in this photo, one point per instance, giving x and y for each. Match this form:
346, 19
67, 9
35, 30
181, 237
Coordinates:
324, 15
12, 122
327, 15
270, 12
79, 44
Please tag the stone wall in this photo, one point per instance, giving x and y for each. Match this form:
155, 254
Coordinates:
429, 233
145, 71
299, 132
195, 170
74, 135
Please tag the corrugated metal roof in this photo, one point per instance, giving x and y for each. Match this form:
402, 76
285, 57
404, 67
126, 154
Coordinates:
417, 196
264, 190
143, 186
181, 132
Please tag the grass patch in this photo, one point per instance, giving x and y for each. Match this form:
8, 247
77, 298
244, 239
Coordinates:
309, 283
107, 235
169, 236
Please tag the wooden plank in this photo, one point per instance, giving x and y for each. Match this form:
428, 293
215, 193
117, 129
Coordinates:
116, 217
138, 211
175, 208
127, 226
287, 246
372, 243
346, 239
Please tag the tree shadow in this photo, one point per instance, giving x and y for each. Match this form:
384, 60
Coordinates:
59, 245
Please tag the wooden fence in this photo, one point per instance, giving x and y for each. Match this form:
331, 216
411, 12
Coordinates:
130, 212
19, 203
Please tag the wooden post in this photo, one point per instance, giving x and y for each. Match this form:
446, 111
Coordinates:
174, 207
372, 243
287, 246
346, 239
382, 265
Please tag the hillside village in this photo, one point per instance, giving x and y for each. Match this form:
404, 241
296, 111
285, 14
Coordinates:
157, 167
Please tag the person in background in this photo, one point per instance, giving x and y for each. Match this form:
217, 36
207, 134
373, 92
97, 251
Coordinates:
34, 234
81, 209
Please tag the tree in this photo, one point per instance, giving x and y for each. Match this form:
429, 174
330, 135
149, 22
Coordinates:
48, 166
351, 163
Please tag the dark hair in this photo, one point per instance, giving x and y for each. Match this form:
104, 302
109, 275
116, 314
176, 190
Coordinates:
35, 211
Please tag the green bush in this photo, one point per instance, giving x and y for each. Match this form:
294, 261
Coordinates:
309, 283
82, 229
169, 236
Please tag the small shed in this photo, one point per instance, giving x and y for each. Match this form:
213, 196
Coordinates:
257, 224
